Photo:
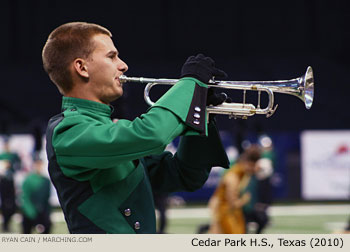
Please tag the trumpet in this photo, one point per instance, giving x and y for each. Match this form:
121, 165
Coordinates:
302, 87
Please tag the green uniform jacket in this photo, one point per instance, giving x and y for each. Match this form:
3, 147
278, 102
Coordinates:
104, 172
15, 163
35, 195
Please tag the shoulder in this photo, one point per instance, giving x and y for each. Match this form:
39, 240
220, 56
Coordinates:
67, 124
68, 119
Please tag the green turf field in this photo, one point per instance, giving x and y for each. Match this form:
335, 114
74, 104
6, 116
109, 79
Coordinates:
325, 224
295, 219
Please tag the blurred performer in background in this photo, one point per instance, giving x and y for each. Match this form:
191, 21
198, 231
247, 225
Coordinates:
231, 195
347, 228
260, 187
9, 164
104, 172
161, 204
35, 204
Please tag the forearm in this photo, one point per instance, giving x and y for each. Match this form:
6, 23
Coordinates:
189, 168
199, 151
119, 142
197, 155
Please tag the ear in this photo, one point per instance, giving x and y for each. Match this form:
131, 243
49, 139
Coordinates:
81, 67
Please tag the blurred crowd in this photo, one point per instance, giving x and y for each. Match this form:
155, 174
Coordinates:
30, 198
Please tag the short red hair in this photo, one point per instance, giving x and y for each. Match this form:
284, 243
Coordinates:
66, 43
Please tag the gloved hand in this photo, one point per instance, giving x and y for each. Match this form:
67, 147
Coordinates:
202, 68
217, 99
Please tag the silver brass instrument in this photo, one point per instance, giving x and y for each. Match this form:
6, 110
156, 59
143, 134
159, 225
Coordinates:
302, 87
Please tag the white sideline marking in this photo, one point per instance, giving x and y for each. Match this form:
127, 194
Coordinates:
192, 213
202, 213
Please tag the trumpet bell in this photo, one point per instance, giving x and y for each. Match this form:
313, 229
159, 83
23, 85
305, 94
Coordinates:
302, 87
308, 93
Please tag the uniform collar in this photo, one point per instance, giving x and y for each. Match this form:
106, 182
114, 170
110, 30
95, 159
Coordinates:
77, 103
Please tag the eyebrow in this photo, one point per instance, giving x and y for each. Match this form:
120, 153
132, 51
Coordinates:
113, 53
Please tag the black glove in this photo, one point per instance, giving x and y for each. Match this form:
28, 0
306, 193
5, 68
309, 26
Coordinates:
217, 99
202, 68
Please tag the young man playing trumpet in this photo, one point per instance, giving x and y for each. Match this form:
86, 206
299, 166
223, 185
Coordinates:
104, 172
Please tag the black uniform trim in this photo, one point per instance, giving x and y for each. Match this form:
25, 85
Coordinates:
197, 112
72, 193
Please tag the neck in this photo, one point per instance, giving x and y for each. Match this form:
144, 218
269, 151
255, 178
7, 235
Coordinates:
83, 93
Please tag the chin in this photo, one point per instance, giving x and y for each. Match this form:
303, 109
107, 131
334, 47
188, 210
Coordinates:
116, 96
120, 94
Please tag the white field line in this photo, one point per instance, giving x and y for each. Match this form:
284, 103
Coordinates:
192, 213
203, 213
309, 210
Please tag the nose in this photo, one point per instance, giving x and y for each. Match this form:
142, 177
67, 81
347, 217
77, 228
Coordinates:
122, 66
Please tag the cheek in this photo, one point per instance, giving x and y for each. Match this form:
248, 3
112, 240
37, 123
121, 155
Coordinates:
102, 67
103, 75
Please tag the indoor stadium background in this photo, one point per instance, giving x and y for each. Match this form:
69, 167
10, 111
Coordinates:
250, 40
